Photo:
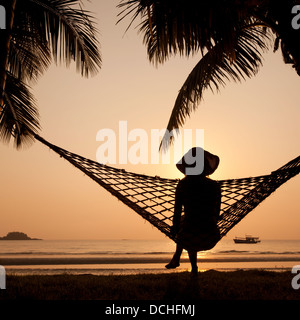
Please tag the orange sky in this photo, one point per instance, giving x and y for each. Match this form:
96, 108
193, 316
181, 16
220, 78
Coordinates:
253, 126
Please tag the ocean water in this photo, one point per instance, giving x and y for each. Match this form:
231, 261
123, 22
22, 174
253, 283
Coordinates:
135, 256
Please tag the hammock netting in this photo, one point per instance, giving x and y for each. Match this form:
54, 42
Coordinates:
153, 198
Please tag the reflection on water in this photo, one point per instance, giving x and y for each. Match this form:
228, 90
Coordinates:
139, 256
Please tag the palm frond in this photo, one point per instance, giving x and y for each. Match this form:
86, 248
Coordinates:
29, 54
66, 29
213, 70
19, 116
173, 27
43, 30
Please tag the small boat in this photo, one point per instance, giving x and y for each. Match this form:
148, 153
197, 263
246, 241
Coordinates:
247, 239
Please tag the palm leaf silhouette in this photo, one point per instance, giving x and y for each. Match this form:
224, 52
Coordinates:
41, 31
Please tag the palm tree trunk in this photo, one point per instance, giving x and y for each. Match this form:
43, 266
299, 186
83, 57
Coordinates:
5, 38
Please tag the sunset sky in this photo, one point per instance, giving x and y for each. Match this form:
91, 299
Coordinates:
252, 126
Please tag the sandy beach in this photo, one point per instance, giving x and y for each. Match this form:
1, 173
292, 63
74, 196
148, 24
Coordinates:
138, 257
51, 271
209, 285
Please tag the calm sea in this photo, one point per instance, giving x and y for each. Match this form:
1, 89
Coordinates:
133, 256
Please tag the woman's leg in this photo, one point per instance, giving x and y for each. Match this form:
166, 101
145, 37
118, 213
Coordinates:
193, 260
174, 263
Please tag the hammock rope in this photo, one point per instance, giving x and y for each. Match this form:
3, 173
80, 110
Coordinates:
153, 198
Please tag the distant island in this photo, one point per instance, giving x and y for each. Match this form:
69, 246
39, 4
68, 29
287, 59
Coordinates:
17, 236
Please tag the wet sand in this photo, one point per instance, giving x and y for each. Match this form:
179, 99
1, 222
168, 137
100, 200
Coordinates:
125, 265
15, 261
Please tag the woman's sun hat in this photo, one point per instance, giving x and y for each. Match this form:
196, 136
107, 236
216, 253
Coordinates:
198, 161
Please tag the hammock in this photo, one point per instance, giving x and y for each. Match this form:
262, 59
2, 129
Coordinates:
153, 197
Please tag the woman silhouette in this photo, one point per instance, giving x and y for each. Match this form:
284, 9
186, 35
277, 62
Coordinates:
200, 198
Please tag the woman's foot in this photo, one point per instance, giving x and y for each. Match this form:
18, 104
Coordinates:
172, 265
